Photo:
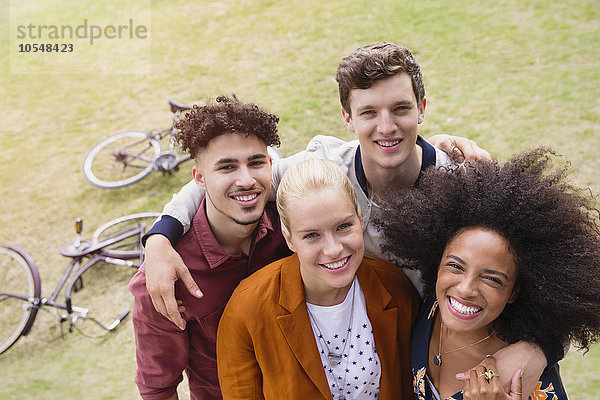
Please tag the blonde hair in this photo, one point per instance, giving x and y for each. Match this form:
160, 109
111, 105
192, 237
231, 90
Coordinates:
306, 177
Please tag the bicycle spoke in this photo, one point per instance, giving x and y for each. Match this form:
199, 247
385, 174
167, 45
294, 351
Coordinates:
133, 166
129, 247
125, 245
121, 159
138, 157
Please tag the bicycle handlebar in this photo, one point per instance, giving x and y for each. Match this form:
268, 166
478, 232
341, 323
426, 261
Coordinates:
175, 106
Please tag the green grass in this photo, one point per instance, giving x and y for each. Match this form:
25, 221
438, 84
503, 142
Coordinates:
578, 374
510, 75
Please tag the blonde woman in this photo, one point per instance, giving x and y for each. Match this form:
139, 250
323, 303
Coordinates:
325, 322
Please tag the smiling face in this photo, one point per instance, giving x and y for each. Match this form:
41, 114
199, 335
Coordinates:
235, 172
385, 118
476, 280
329, 244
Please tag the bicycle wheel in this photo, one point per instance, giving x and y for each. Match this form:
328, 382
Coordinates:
19, 280
130, 247
121, 159
100, 296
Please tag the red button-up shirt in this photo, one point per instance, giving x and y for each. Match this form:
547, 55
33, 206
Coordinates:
162, 350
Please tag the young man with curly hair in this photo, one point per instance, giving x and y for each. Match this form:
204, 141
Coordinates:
234, 232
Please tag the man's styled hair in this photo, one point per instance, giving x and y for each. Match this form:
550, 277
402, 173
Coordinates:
373, 62
203, 123
308, 176
550, 224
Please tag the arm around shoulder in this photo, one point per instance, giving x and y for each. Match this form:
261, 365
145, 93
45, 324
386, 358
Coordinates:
183, 205
521, 355
163, 267
459, 148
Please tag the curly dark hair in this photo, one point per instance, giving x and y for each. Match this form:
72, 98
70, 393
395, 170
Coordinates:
373, 62
551, 227
203, 123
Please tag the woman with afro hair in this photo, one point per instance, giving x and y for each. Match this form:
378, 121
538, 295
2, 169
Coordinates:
507, 252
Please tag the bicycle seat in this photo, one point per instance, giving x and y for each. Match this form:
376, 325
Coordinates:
69, 249
175, 106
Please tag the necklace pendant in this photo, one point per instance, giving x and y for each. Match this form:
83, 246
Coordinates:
334, 357
437, 360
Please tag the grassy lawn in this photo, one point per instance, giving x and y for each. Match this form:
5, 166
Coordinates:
511, 75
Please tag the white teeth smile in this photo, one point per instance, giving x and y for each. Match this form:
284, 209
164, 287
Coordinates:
461, 308
246, 198
388, 144
337, 264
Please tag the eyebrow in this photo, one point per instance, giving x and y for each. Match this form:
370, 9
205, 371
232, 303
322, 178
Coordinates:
398, 103
341, 221
487, 271
235, 160
257, 156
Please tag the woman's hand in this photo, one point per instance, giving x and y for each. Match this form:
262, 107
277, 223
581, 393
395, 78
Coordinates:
484, 384
521, 355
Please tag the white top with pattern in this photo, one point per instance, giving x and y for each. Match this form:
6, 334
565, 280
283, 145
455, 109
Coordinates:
359, 370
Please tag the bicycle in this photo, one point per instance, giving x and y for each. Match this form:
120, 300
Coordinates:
127, 157
114, 252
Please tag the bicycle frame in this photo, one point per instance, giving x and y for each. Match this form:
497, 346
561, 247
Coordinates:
168, 161
96, 253
127, 157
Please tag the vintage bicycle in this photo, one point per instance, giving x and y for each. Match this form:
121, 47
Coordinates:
94, 282
127, 157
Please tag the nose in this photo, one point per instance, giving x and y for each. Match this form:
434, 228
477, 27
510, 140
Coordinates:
245, 178
332, 246
386, 125
467, 288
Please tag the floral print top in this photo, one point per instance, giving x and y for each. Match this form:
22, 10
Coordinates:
549, 387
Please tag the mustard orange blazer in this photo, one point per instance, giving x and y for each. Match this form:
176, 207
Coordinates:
266, 348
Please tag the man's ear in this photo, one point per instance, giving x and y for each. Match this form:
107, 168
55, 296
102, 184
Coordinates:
347, 120
198, 177
422, 111
361, 217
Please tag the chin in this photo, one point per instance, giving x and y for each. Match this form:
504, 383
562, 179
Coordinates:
393, 163
247, 219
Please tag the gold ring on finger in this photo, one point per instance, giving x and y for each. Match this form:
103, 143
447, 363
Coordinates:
489, 374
